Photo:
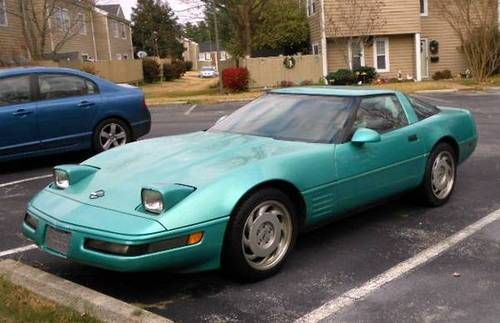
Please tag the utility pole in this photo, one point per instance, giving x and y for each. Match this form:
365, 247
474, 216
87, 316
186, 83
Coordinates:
217, 59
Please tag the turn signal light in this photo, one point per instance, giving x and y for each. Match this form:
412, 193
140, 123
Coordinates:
194, 238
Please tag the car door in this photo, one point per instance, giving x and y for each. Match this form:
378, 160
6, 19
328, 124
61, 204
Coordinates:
66, 109
18, 116
371, 171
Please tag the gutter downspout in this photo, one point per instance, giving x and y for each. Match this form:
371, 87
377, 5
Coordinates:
107, 37
93, 32
324, 53
131, 43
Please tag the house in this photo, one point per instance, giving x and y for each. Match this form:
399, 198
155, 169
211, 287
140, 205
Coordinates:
414, 40
191, 52
207, 54
78, 30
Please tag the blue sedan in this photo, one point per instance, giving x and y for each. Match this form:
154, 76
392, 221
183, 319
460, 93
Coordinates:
54, 110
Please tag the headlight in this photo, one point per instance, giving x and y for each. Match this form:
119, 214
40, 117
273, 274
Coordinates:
152, 201
61, 178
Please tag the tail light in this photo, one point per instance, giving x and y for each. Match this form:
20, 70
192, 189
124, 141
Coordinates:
144, 105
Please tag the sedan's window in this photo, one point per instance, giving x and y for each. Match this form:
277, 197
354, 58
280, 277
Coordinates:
91, 87
15, 90
423, 109
55, 86
380, 113
290, 117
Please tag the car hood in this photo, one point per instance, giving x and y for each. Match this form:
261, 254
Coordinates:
195, 159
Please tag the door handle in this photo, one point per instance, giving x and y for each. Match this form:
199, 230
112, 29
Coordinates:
85, 104
412, 138
21, 113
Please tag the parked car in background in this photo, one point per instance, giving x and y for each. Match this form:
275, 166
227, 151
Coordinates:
208, 72
238, 194
53, 110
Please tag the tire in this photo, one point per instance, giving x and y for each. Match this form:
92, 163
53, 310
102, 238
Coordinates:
436, 193
122, 135
249, 228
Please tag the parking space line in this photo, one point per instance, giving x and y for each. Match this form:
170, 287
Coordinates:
17, 250
347, 299
188, 112
25, 180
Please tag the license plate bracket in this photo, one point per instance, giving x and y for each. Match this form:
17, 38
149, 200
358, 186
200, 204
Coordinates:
57, 240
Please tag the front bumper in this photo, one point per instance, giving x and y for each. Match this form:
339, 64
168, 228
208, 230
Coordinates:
204, 255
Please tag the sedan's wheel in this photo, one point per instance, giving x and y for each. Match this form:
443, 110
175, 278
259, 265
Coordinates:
440, 175
109, 134
260, 235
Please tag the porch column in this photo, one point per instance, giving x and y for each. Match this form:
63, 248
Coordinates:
324, 54
418, 58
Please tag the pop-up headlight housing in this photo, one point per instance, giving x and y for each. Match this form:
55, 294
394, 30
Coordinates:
67, 175
158, 198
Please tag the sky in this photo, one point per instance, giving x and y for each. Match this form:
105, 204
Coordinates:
179, 6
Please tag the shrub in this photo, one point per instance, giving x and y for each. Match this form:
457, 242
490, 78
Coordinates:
89, 68
286, 83
179, 68
169, 72
151, 70
188, 65
306, 82
235, 78
365, 74
442, 75
341, 77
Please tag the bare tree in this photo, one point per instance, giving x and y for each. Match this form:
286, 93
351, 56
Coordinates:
48, 25
356, 21
476, 24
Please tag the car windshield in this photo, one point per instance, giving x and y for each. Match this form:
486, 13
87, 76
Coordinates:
207, 68
305, 118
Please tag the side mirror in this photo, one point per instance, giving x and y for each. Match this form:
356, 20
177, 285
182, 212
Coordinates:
365, 135
221, 118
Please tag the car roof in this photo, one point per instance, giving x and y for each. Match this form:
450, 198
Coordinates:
37, 69
333, 91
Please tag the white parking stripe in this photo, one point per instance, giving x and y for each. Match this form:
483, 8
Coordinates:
17, 250
188, 112
334, 306
25, 180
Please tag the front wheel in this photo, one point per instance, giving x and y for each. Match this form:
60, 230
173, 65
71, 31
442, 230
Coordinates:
260, 235
440, 175
110, 133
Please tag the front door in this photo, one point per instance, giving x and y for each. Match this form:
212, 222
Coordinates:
424, 57
66, 108
372, 171
18, 116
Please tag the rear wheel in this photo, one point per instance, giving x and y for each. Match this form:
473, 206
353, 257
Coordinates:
111, 133
260, 235
440, 175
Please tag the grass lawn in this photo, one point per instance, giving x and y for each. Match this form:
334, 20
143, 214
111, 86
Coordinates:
20, 305
192, 89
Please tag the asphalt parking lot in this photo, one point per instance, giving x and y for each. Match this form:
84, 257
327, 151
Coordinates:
462, 284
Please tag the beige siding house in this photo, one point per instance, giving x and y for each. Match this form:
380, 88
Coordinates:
88, 32
413, 40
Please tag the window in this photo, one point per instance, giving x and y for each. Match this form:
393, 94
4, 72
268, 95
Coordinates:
308, 118
424, 7
61, 19
56, 86
82, 25
15, 90
423, 109
356, 54
311, 7
91, 87
380, 113
114, 29
3, 13
381, 54
123, 33
316, 49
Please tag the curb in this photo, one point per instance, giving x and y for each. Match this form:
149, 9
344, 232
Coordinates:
438, 91
82, 299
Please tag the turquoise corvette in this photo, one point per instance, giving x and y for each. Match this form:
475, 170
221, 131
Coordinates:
236, 196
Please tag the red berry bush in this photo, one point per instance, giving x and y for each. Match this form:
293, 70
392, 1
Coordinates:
235, 78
